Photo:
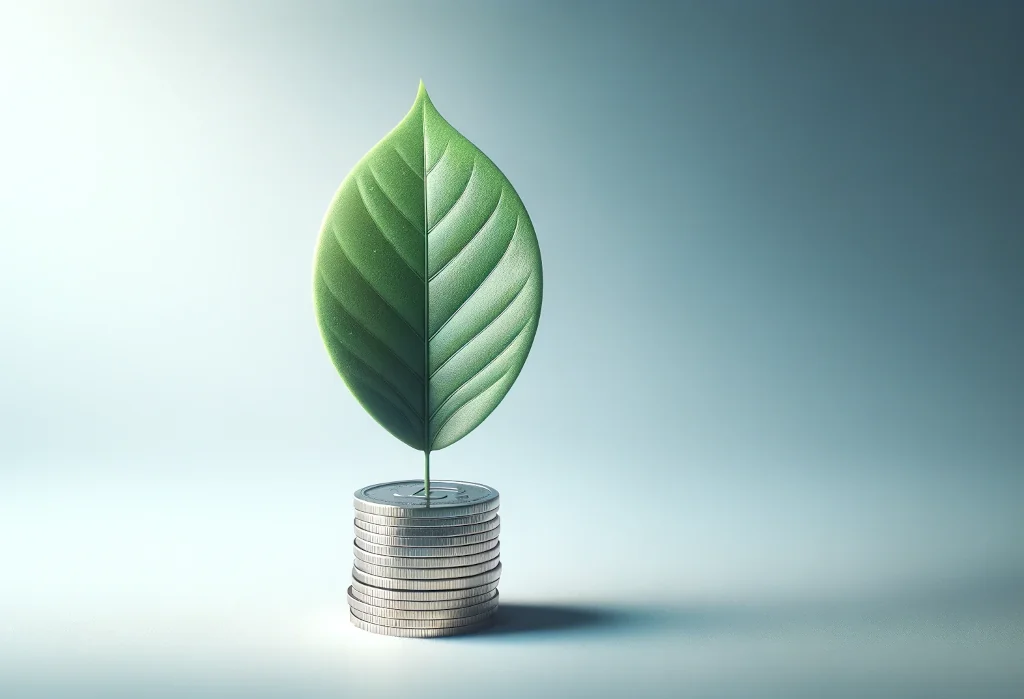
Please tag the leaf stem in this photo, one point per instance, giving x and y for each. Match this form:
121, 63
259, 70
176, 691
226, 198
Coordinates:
426, 474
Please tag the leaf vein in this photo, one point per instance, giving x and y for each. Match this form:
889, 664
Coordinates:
465, 189
406, 162
379, 375
387, 196
491, 322
380, 228
365, 327
500, 260
362, 276
483, 225
459, 409
439, 159
484, 367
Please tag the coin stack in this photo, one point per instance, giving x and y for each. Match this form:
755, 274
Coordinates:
424, 566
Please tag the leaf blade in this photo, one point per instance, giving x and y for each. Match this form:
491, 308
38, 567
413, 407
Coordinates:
434, 264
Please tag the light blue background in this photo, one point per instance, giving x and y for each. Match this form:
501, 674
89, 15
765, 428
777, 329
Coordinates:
774, 412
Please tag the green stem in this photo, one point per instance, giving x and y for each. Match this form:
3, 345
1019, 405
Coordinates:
426, 474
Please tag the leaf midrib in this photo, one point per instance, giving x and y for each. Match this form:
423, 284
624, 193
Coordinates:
426, 289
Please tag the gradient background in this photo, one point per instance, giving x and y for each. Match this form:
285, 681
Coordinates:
771, 431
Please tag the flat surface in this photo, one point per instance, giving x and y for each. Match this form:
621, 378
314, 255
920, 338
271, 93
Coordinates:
568, 649
207, 589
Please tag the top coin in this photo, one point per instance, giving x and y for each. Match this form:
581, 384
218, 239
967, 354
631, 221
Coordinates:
407, 499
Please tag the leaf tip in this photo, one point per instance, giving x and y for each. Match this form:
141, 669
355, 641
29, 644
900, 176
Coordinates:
421, 93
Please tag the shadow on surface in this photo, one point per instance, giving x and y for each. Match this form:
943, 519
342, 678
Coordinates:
550, 619
934, 602
538, 618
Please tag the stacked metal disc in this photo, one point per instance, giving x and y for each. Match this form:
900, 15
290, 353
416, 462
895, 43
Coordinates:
425, 566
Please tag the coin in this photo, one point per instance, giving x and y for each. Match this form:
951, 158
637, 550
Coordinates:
424, 585
425, 561
422, 567
452, 613
421, 623
418, 633
392, 573
419, 605
425, 551
421, 595
406, 499
447, 530
389, 521
428, 541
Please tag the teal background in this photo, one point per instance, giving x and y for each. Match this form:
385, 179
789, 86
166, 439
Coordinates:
770, 431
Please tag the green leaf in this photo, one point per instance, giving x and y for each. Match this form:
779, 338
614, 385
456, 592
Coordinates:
428, 281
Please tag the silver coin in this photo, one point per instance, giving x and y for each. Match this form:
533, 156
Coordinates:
425, 585
421, 623
422, 605
422, 595
452, 613
406, 499
447, 530
389, 521
392, 573
419, 633
425, 551
426, 561
428, 541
